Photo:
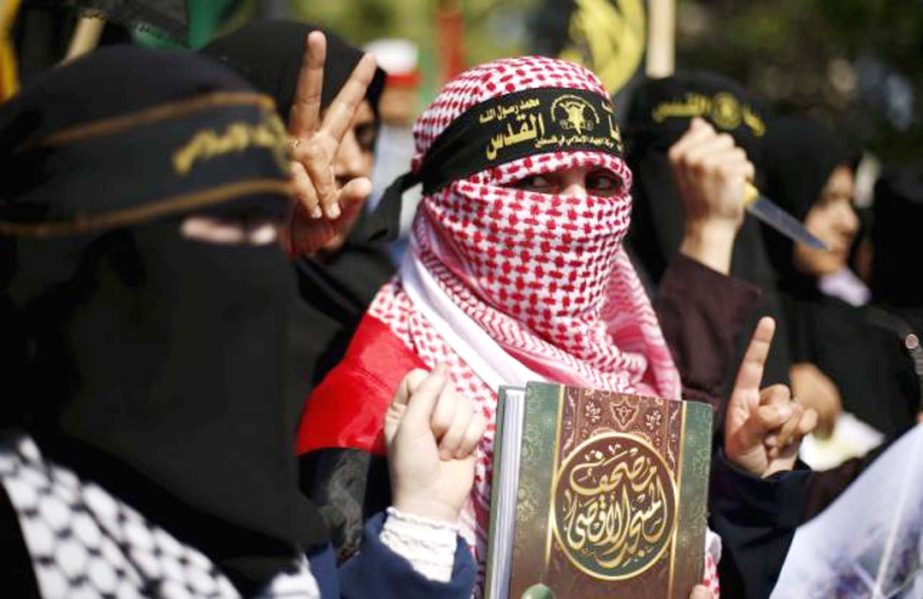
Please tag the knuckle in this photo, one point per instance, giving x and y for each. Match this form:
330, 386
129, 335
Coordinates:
441, 422
312, 152
778, 390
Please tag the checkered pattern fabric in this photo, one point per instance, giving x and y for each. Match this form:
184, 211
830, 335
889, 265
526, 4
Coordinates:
545, 276
85, 543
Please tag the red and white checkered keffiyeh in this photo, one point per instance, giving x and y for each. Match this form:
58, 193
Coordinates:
545, 276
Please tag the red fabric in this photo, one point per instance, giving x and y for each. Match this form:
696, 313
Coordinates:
347, 409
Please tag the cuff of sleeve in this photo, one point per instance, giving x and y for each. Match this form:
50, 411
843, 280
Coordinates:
428, 545
702, 281
777, 501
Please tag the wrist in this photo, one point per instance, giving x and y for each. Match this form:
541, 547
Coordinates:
710, 243
427, 508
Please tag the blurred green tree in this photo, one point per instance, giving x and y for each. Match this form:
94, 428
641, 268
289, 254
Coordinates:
857, 64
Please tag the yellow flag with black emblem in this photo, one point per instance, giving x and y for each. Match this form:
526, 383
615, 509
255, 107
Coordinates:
608, 37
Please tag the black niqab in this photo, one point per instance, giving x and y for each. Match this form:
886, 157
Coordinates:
158, 366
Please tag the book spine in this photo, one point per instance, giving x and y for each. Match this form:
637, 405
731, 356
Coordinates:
490, 583
538, 461
688, 552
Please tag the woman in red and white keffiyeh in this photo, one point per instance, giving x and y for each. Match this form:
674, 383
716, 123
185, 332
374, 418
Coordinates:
516, 270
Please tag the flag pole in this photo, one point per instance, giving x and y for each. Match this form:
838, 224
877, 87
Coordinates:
661, 38
86, 37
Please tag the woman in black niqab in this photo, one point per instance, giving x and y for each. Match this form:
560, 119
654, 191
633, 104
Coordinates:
151, 451
809, 174
157, 366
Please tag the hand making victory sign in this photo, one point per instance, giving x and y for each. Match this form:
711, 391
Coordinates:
324, 211
763, 427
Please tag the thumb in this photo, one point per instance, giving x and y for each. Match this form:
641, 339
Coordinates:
355, 191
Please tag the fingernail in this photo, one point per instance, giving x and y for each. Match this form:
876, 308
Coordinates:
333, 210
316, 212
784, 412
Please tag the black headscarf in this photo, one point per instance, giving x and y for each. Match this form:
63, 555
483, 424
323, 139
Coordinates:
659, 114
157, 366
800, 154
268, 54
896, 287
896, 241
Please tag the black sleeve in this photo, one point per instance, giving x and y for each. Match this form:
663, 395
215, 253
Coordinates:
349, 486
826, 485
701, 312
756, 520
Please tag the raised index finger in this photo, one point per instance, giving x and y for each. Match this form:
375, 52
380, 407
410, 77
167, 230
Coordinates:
750, 374
304, 117
343, 109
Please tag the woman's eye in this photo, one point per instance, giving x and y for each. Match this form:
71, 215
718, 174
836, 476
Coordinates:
366, 134
604, 183
535, 183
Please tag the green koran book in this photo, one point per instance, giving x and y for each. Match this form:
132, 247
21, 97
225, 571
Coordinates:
597, 494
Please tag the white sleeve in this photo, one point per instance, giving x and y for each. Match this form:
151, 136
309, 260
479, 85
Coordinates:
429, 545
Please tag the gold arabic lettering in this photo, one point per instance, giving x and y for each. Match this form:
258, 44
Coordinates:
208, 143
615, 508
723, 108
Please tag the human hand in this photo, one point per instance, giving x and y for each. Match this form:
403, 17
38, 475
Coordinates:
710, 173
763, 428
815, 390
323, 213
432, 433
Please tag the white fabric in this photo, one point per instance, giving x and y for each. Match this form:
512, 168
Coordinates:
847, 286
471, 342
428, 545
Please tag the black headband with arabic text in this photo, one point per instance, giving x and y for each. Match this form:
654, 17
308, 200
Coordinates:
190, 155
518, 125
